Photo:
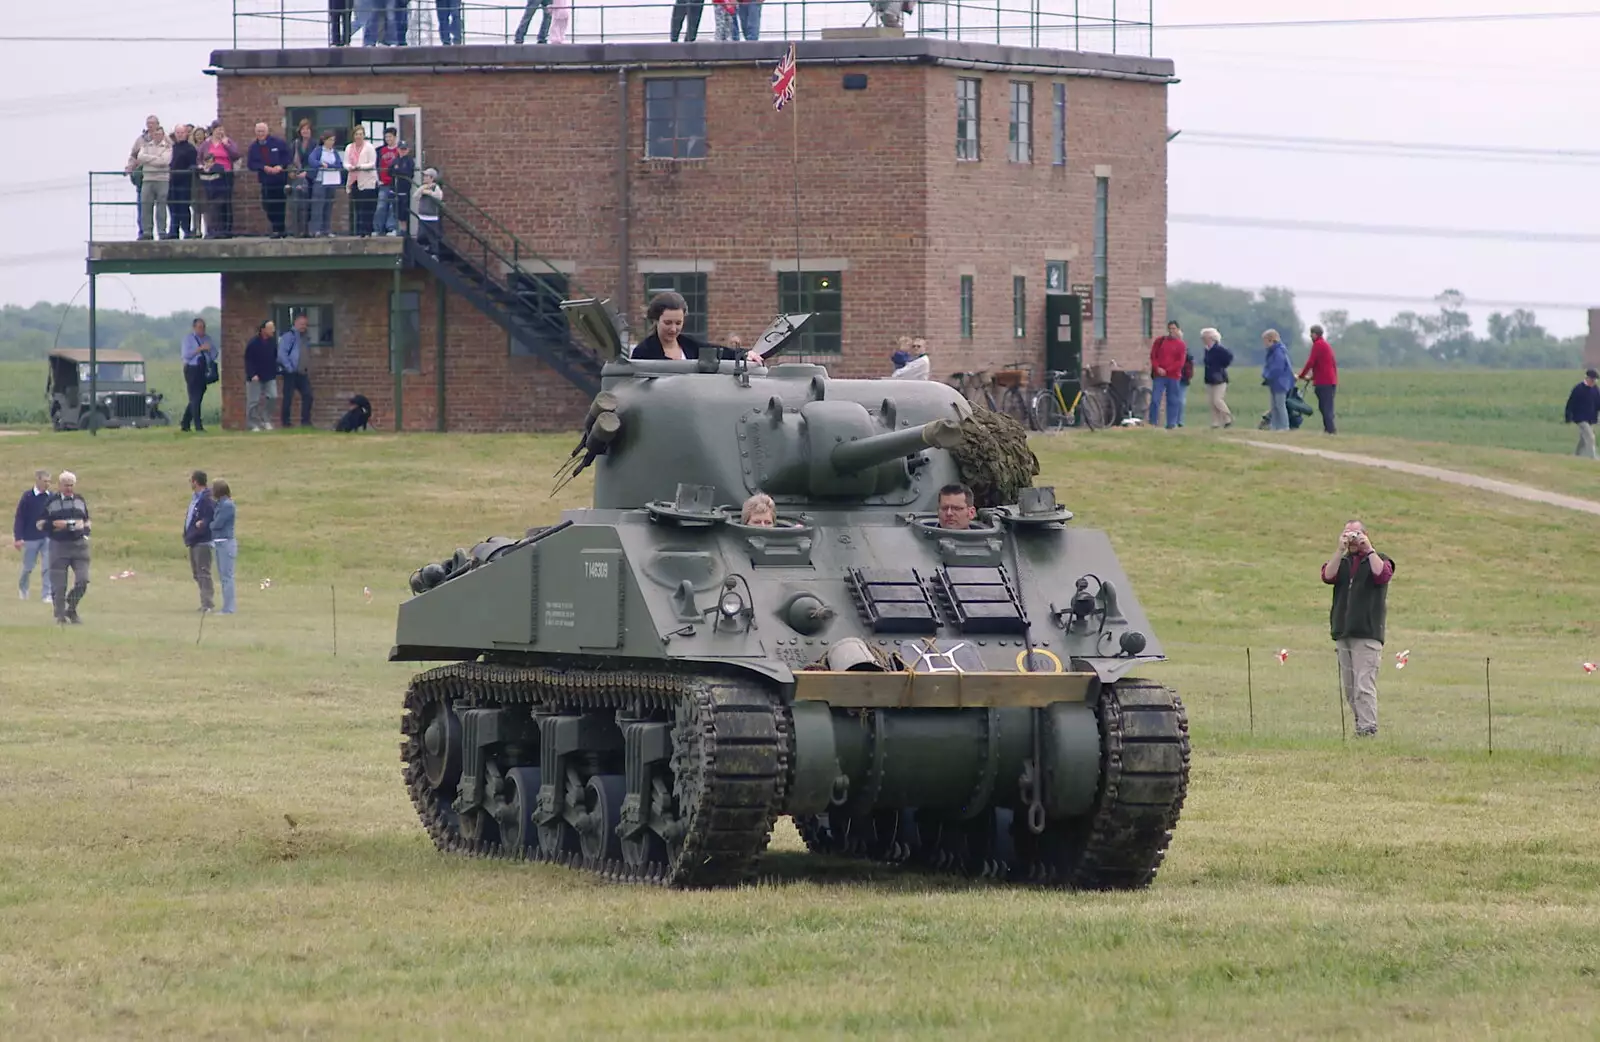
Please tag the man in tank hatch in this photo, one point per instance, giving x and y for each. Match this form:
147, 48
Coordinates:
955, 507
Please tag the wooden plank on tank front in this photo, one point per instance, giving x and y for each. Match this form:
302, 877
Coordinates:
869, 690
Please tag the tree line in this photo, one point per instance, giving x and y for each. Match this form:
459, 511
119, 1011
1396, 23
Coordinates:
31, 332
1443, 338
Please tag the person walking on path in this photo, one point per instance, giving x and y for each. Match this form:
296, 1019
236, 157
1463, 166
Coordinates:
29, 538
198, 351
1360, 578
1278, 377
66, 523
1216, 360
197, 536
1583, 408
1168, 355
295, 366
261, 376
223, 541
1324, 372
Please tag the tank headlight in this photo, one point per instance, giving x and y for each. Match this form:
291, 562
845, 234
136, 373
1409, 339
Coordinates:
731, 605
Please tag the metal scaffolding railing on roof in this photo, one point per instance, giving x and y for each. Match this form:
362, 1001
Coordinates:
1101, 26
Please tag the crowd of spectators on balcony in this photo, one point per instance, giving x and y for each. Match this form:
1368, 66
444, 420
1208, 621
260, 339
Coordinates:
386, 23
184, 182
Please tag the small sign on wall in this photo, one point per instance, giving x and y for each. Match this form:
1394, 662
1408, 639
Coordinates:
1086, 293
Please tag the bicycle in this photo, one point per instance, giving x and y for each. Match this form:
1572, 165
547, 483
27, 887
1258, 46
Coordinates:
978, 387
1052, 412
1013, 398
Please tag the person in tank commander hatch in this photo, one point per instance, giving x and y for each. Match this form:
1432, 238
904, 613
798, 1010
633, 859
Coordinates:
955, 507
760, 510
668, 340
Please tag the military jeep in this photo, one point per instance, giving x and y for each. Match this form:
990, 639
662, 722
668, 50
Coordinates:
124, 400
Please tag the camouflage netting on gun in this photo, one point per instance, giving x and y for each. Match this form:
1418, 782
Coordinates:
994, 457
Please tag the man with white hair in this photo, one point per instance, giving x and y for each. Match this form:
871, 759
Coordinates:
269, 157
66, 523
25, 534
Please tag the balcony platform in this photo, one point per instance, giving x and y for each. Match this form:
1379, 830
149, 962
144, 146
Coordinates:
246, 253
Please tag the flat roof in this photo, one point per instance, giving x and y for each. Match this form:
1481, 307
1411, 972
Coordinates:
600, 57
102, 354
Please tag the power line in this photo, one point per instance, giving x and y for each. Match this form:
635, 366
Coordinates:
1440, 19
1376, 154
1408, 146
1400, 230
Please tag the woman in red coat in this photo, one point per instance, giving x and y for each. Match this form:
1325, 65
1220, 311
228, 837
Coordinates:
1324, 373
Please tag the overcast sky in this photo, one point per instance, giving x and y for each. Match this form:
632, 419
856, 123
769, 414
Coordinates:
1501, 85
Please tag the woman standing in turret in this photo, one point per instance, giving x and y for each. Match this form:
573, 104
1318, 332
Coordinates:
667, 312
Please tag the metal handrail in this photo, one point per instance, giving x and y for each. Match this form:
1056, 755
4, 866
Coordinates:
1066, 24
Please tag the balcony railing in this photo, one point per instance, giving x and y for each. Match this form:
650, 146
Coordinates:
1103, 26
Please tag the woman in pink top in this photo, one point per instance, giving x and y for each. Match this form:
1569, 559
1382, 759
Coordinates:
361, 160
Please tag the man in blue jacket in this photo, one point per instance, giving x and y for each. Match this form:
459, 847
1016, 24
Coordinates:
197, 536
27, 536
270, 157
295, 366
1583, 408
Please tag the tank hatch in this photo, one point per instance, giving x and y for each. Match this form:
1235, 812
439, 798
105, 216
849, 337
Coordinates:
892, 600
982, 600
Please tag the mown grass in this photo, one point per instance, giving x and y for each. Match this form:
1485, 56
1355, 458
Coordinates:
210, 839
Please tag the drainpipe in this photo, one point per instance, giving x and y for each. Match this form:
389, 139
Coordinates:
625, 196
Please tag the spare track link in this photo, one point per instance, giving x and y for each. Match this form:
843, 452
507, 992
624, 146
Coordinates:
1121, 843
740, 728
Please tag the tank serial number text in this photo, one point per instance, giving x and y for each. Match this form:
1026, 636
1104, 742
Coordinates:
560, 613
597, 569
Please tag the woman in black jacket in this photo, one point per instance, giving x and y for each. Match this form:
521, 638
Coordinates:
1216, 361
261, 376
667, 339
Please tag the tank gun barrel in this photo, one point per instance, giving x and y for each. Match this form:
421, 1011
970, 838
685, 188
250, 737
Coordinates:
855, 456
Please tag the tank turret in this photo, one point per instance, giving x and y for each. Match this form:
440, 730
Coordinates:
642, 688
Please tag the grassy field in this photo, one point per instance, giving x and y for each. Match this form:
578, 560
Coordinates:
208, 838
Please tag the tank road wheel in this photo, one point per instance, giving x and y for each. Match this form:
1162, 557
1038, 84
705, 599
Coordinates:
478, 828
647, 847
431, 754
597, 826
515, 815
1144, 774
558, 840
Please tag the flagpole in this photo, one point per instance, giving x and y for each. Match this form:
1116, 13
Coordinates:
794, 163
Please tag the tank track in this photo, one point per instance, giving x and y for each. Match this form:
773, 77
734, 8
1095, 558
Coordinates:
1118, 845
732, 736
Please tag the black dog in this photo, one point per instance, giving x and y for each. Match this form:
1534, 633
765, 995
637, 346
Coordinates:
357, 418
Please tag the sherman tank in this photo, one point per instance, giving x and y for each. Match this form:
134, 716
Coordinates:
641, 690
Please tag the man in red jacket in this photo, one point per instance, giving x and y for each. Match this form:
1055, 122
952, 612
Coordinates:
1168, 356
1324, 376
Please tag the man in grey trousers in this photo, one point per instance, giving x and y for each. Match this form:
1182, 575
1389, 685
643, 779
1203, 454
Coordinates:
197, 536
1360, 578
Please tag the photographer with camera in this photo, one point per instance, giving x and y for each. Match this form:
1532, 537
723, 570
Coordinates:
1360, 578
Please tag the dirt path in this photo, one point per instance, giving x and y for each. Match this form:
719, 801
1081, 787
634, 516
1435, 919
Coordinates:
1455, 477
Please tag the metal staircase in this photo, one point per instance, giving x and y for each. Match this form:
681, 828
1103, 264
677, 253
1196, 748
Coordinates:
477, 257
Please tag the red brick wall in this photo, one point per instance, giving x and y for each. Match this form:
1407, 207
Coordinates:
880, 187
995, 215
486, 389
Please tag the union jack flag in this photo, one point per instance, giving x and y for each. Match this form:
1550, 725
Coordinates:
783, 81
